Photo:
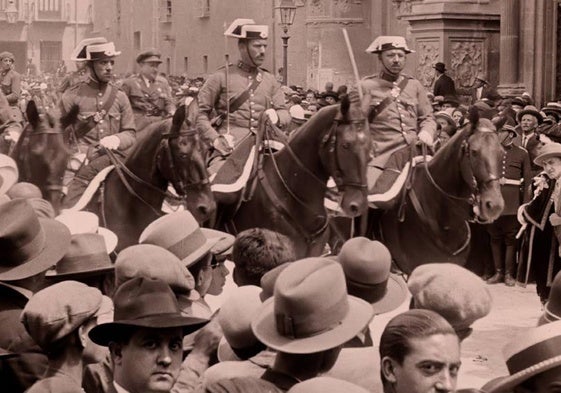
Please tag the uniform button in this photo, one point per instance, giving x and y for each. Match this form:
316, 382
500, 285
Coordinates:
100, 94
251, 95
100, 102
101, 121
403, 124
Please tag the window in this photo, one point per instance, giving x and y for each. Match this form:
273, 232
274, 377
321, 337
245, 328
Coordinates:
51, 54
136, 41
204, 8
205, 64
168, 66
165, 10
186, 64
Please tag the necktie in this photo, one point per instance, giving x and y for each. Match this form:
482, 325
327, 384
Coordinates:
524, 140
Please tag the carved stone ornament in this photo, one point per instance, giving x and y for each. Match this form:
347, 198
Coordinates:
403, 7
428, 53
467, 61
318, 8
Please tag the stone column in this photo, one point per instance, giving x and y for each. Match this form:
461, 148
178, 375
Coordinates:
509, 74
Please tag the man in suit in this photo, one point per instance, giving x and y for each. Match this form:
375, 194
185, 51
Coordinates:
443, 84
479, 90
528, 120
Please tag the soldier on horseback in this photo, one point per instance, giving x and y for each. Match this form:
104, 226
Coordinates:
11, 117
240, 93
400, 113
149, 93
105, 118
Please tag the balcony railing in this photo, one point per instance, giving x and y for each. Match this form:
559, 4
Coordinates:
37, 10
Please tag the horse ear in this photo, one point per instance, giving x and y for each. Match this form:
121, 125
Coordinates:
345, 105
178, 119
473, 116
192, 112
499, 122
32, 113
71, 117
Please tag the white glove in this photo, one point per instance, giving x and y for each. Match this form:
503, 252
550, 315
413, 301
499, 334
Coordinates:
426, 138
520, 215
12, 135
110, 142
272, 116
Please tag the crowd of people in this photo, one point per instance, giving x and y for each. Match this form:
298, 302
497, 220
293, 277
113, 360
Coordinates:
76, 316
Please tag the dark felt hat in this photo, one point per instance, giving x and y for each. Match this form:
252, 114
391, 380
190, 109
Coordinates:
530, 110
28, 245
440, 67
144, 302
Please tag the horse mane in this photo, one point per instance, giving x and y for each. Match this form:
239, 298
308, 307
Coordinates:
148, 141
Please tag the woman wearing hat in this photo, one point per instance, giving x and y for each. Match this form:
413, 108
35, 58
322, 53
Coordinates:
543, 216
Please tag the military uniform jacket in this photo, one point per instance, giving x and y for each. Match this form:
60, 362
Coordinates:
398, 124
72, 79
11, 86
213, 96
516, 169
118, 120
153, 100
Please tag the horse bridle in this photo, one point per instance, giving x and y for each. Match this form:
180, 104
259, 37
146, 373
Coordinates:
165, 147
467, 173
329, 142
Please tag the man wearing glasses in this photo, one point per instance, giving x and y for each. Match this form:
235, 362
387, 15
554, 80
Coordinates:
10, 80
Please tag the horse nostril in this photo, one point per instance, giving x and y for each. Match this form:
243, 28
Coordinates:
353, 207
203, 209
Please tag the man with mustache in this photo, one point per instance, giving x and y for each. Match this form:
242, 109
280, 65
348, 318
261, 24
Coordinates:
240, 93
105, 120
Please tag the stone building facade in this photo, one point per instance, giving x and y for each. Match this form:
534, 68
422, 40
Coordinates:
513, 42
44, 31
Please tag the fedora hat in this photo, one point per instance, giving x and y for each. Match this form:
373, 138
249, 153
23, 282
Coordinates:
552, 309
101, 51
24, 190
138, 261
79, 52
269, 279
518, 101
310, 310
387, 42
8, 173
534, 351
86, 256
180, 233
547, 151
366, 264
451, 100
28, 245
440, 67
553, 108
530, 110
144, 302
79, 222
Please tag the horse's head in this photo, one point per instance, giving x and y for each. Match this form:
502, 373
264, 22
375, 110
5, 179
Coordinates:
345, 152
482, 167
46, 153
183, 163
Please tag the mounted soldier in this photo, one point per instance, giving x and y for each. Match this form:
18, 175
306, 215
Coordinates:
11, 117
149, 93
240, 93
400, 113
105, 118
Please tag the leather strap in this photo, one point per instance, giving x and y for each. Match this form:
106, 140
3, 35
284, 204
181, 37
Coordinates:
376, 110
237, 101
84, 128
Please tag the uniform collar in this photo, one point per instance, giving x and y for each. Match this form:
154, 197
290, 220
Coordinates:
246, 67
389, 77
93, 82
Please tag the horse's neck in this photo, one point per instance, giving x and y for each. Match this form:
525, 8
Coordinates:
305, 145
142, 162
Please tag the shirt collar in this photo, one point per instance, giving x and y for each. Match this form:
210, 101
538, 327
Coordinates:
146, 80
389, 77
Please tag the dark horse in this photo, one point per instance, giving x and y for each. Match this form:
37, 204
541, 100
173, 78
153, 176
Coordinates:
460, 183
133, 193
291, 183
41, 152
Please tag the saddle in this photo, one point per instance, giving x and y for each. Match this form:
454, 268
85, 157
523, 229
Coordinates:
235, 180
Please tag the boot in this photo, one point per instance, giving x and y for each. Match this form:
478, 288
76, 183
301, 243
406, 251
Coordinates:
497, 278
497, 251
510, 255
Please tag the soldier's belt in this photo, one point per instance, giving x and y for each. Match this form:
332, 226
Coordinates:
511, 182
